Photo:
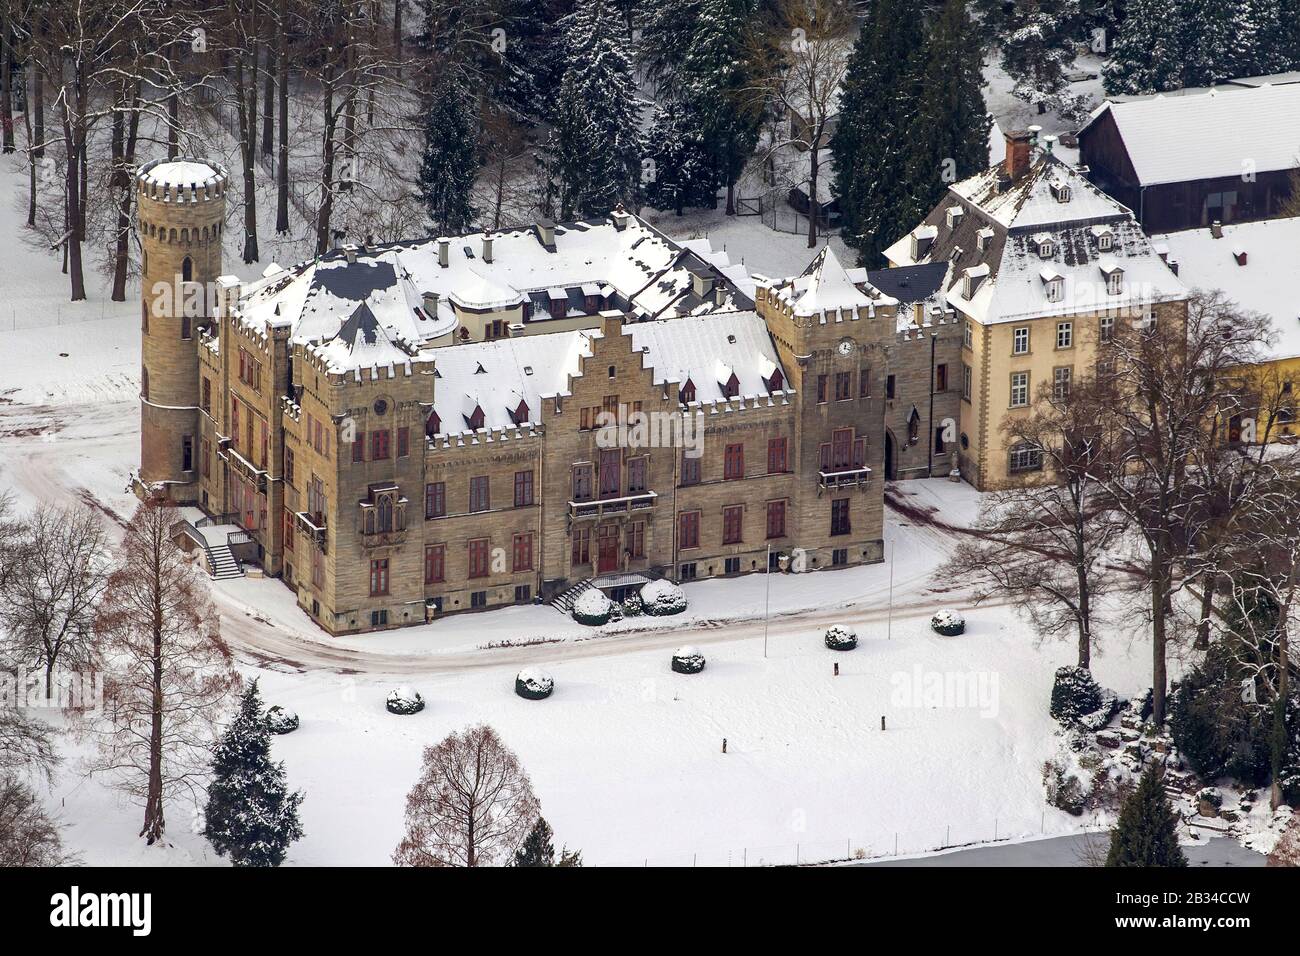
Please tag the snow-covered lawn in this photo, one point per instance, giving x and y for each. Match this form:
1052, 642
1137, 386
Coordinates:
627, 760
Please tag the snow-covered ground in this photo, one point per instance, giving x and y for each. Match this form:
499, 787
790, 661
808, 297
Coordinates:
626, 756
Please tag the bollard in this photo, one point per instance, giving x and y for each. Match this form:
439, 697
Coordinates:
724, 745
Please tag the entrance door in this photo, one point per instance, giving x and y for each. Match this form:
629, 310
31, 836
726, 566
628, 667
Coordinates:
889, 456
607, 548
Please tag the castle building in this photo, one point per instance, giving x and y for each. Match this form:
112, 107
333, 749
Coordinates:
406, 430
1039, 265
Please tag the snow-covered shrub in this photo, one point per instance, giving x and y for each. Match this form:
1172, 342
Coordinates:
1074, 693
1209, 799
841, 638
281, 720
533, 683
1065, 790
688, 660
949, 623
632, 605
592, 607
404, 700
1079, 701
661, 597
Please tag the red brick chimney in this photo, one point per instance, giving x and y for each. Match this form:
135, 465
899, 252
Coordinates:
1019, 154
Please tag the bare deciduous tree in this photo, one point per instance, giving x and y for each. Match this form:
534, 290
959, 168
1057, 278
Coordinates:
28, 837
802, 51
169, 674
472, 806
1042, 544
49, 600
1171, 382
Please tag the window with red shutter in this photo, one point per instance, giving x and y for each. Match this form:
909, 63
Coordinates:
776, 519
478, 558
734, 462
732, 523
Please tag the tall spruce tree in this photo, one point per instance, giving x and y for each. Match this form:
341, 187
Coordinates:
450, 162
712, 83
251, 815
1038, 48
681, 173
950, 131
877, 105
1147, 832
596, 146
1146, 52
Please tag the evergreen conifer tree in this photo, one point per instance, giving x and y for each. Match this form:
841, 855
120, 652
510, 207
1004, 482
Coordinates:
1146, 835
877, 106
1146, 55
251, 815
596, 149
951, 128
450, 162
539, 849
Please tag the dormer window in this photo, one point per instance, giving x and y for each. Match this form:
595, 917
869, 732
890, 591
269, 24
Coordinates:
971, 280
775, 381
519, 414
1061, 192
687, 394
1045, 246
983, 239
1106, 242
1114, 277
954, 216
731, 387
1053, 284
432, 425
922, 239
475, 418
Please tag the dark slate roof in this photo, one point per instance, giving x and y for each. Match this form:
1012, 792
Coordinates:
910, 283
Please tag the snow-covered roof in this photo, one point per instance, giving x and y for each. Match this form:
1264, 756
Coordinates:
1266, 283
1031, 201
494, 377
1028, 217
826, 286
639, 269
707, 350
184, 177
1221, 132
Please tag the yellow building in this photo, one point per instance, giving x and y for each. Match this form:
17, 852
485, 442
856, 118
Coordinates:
1254, 265
1041, 268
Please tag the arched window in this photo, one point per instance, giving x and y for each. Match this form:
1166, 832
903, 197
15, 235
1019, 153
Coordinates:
385, 513
187, 269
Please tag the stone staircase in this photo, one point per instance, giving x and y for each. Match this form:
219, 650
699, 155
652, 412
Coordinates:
565, 600
222, 563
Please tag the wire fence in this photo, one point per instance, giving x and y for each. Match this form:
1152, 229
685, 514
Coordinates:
879, 846
40, 315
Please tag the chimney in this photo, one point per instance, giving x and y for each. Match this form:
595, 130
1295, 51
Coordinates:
350, 250
431, 304
620, 217
1019, 152
702, 283
1173, 266
1240, 256
487, 247
611, 322
444, 250
1216, 229
545, 229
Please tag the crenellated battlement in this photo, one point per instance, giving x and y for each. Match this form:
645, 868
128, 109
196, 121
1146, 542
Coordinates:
182, 181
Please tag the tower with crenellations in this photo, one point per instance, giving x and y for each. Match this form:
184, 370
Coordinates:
181, 211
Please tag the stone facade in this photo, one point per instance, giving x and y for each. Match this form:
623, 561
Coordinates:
377, 514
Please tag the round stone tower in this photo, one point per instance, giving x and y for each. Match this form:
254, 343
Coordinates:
181, 208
